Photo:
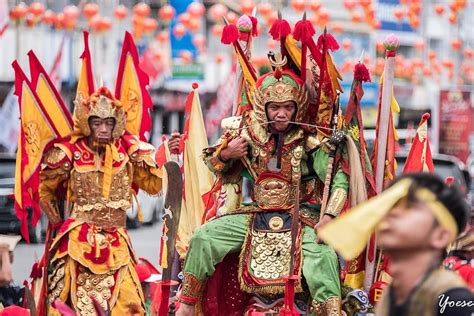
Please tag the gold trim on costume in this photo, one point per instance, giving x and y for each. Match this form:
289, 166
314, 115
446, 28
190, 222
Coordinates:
336, 202
192, 287
330, 307
93, 285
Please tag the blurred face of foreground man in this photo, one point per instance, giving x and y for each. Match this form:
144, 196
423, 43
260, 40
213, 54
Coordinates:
415, 234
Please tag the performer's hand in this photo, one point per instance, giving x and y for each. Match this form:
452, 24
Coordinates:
323, 221
236, 149
173, 143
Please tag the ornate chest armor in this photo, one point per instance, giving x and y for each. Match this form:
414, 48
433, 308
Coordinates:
90, 206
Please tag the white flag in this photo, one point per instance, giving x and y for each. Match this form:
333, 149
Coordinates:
3, 16
10, 122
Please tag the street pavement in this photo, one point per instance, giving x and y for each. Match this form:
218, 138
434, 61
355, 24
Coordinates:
145, 241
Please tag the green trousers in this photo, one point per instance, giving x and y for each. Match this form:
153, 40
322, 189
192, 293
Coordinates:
215, 239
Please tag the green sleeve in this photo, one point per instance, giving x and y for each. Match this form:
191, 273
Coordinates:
320, 164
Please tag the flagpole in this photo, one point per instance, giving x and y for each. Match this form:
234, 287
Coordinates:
391, 44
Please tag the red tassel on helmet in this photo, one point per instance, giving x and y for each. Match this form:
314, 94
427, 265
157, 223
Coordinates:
361, 73
279, 29
304, 31
278, 74
254, 25
331, 42
230, 34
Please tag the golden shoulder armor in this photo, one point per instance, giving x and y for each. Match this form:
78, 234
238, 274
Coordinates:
57, 156
232, 122
143, 153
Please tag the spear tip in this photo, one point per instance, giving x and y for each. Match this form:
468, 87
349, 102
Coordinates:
304, 16
279, 14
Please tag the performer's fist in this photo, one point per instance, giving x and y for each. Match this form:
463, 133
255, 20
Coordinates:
236, 149
173, 143
323, 221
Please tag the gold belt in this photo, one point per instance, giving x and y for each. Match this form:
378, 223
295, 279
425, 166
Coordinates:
106, 217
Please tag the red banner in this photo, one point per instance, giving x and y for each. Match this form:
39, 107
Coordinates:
455, 123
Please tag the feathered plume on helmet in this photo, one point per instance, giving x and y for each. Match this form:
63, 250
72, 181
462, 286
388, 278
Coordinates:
131, 103
309, 62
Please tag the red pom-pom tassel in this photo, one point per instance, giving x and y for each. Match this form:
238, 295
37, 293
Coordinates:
230, 34
279, 29
331, 42
361, 73
254, 25
303, 31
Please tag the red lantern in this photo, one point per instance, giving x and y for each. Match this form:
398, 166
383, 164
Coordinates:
417, 62
71, 12
349, 4
448, 63
376, 25
90, 9
36, 9
454, 7
199, 40
219, 59
456, 44
453, 18
186, 56
49, 17
315, 5
19, 12
59, 22
414, 22
184, 18
150, 25
179, 30
337, 27
356, 17
105, 24
346, 44
265, 8
217, 30
232, 17
324, 14
30, 21
298, 5
163, 36
380, 47
94, 22
399, 14
121, 12
246, 7
432, 55
217, 11
167, 13
419, 45
427, 71
196, 9
142, 9
468, 53
415, 7
439, 9
194, 25
365, 3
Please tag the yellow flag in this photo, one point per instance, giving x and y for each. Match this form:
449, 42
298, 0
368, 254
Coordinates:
198, 180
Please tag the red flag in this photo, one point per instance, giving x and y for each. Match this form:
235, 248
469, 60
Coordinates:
419, 158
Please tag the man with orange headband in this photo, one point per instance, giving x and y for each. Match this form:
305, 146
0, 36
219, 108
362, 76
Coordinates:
415, 220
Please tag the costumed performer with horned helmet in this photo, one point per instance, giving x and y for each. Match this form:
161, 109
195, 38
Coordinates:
287, 164
98, 167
